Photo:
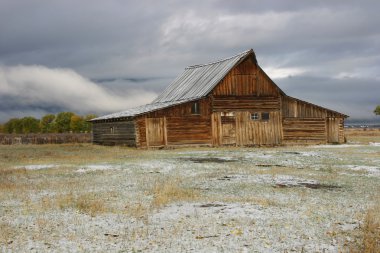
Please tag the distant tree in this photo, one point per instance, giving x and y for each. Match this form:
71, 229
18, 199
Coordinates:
76, 123
87, 125
62, 122
377, 110
47, 123
13, 126
1, 128
30, 125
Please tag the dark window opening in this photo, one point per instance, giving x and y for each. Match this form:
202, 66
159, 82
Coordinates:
195, 109
254, 116
265, 116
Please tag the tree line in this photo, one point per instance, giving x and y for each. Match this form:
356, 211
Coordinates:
62, 122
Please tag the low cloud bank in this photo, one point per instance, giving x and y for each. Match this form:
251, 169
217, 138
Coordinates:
33, 90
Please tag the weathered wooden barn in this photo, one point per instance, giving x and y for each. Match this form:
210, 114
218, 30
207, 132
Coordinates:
226, 102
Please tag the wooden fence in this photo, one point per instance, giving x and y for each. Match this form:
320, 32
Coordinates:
51, 138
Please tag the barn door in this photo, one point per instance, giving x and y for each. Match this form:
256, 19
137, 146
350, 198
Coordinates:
155, 128
332, 130
228, 121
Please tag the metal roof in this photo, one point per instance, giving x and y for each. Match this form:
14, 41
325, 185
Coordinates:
198, 80
195, 82
140, 110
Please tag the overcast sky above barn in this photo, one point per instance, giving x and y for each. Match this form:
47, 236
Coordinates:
106, 56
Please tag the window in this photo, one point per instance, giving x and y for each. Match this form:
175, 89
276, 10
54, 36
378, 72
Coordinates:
195, 108
265, 116
254, 116
112, 130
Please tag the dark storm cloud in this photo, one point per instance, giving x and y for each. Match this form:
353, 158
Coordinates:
129, 46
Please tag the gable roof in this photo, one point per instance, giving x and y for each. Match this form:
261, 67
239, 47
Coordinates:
198, 80
195, 82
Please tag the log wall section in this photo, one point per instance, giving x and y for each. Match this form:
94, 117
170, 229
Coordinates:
298, 114
304, 130
122, 133
181, 127
244, 103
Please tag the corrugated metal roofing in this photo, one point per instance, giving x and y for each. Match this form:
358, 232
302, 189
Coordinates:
194, 83
140, 110
198, 80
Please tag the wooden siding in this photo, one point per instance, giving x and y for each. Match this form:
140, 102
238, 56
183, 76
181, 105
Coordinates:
177, 126
258, 132
155, 131
140, 124
335, 130
189, 130
244, 103
304, 130
342, 138
300, 109
244, 131
123, 133
246, 79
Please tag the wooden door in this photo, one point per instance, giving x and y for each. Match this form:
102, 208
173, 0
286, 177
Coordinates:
155, 128
332, 130
228, 130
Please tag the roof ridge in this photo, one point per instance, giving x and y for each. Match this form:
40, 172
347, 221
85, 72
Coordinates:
218, 61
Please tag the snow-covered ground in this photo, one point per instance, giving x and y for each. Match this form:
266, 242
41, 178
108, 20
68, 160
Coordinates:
286, 199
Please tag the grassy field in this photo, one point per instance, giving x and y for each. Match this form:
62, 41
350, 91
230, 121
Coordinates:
87, 198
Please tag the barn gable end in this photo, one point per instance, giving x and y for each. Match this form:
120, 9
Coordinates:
227, 102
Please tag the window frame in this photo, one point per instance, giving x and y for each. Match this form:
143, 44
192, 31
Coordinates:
255, 116
266, 118
195, 108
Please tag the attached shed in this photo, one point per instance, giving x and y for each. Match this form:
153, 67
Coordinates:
227, 102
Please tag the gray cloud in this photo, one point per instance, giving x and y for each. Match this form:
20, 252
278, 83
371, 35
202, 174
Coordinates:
38, 88
330, 44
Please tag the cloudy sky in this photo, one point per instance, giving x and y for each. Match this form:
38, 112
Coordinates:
105, 56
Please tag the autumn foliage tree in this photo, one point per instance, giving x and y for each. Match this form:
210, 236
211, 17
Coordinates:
47, 123
377, 110
63, 122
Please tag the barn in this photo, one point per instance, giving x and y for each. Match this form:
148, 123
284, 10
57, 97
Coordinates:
226, 102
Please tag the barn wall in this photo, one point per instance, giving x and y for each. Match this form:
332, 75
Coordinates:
335, 130
244, 103
123, 133
302, 113
299, 109
258, 132
304, 130
176, 126
237, 128
246, 79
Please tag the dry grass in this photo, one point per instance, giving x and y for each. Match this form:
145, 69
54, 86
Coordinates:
10, 177
362, 135
370, 239
86, 203
172, 190
7, 233
138, 210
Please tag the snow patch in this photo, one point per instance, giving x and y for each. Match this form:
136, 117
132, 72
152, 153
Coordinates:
97, 167
337, 146
376, 144
37, 166
371, 170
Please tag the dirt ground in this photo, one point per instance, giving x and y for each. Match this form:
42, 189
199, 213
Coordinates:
88, 198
